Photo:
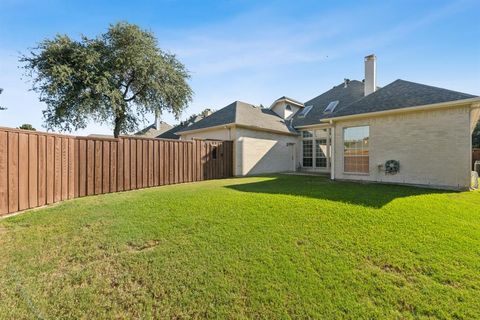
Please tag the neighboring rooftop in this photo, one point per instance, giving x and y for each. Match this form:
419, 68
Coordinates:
345, 93
399, 94
152, 131
241, 113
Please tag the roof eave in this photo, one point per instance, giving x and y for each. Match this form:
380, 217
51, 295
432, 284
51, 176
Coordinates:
440, 105
230, 125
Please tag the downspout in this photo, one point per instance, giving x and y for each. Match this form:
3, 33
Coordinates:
332, 151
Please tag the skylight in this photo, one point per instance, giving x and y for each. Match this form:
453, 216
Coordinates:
331, 106
304, 111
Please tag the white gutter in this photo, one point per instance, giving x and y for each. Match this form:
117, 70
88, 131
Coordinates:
313, 126
440, 105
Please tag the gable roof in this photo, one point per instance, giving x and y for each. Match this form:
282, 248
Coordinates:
241, 113
397, 95
344, 95
296, 102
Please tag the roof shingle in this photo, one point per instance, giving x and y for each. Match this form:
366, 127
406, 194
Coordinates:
400, 94
241, 113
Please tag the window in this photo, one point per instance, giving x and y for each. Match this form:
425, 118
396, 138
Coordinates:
331, 106
321, 153
307, 153
356, 149
304, 111
288, 108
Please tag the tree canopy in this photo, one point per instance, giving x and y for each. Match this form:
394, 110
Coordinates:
117, 78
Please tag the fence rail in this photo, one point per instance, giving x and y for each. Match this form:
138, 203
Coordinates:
39, 168
475, 156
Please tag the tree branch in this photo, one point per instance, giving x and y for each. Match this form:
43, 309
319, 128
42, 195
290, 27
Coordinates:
135, 95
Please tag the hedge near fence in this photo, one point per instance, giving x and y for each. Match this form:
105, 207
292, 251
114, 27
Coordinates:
38, 168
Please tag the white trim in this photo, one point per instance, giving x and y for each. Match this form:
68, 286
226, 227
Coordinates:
441, 105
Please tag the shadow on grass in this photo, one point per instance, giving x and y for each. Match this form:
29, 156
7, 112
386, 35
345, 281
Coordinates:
372, 195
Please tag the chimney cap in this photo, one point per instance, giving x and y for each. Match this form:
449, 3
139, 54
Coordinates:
370, 57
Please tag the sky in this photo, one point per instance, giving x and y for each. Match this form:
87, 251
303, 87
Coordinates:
257, 51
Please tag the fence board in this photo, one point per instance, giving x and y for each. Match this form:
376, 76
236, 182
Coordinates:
3, 172
98, 166
120, 167
150, 163
12, 171
32, 171
76, 168
57, 181
71, 168
156, 162
50, 169
82, 168
113, 166
105, 166
64, 188
144, 163
133, 163
126, 164
22, 171
40, 168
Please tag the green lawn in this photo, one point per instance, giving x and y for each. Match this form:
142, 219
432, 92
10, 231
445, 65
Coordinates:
267, 247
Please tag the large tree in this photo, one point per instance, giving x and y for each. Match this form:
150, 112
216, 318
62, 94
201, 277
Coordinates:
117, 78
476, 136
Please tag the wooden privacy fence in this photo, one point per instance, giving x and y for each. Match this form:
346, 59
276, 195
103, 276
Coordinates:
41, 168
475, 156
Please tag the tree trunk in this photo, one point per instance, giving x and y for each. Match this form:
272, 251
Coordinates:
119, 122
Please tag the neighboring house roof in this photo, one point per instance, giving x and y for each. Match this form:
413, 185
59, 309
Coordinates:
399, 94
151, 131
172, 133
345, 95
243, 114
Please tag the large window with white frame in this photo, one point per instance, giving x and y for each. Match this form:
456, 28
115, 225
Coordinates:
315, 148
356, 149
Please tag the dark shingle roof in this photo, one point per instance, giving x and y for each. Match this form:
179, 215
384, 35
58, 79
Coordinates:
345, 96
400, 94
241, 113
